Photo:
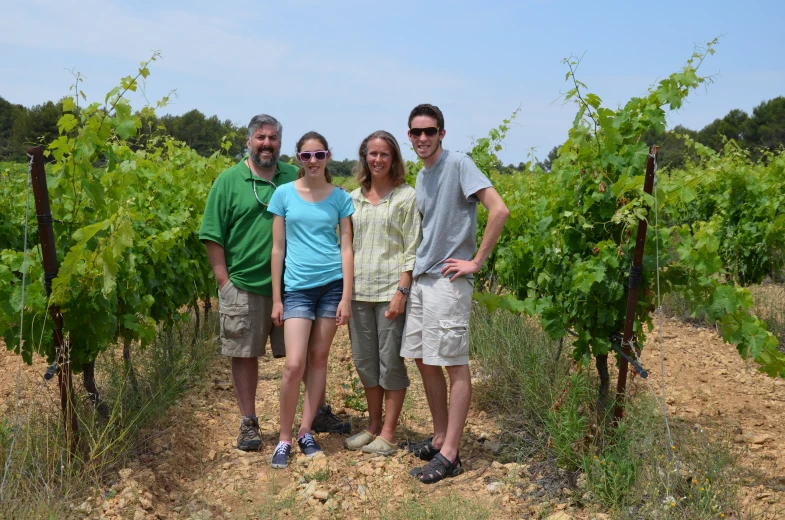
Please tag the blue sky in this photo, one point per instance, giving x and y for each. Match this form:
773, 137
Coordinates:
347, 68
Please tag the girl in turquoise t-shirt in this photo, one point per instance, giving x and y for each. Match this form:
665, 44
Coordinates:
318, 281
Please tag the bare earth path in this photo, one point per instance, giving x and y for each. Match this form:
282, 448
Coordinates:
708, 384
191, 470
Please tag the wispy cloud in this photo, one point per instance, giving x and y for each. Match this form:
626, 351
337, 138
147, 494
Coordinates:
195, 44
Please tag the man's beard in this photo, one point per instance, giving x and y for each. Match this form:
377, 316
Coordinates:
262, 163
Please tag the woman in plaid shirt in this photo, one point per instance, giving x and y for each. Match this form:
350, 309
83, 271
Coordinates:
386, 225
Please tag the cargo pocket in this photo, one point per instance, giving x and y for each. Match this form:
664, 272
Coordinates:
235, 321
235, 316
453, 338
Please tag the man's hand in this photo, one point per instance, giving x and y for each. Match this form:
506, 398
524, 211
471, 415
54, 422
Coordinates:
459, 268
221, 283
397, 306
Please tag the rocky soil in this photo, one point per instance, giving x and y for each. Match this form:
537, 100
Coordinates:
190, 468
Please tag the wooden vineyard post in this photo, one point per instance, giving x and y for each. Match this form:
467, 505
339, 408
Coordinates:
49, 253
636, 275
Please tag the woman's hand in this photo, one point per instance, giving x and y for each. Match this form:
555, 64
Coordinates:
278, 313
343, 313
397, 306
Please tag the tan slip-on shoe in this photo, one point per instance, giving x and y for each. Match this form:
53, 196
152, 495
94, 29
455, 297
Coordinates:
358, 440
380, 446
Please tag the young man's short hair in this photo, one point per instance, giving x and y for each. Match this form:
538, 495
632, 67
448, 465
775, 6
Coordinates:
429, 110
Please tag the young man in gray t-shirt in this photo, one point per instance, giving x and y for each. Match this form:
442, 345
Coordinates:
437, 314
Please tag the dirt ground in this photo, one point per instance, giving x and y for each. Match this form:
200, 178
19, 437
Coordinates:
192, 470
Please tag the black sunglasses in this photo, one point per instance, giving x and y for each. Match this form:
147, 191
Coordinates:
430, 131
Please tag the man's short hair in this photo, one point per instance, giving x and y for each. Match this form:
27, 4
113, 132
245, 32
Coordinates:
429, 110
259, 121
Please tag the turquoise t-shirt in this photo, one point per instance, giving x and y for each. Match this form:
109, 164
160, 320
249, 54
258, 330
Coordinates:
313, 255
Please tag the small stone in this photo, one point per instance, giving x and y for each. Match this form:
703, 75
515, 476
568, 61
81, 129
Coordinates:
318, 463
321, 494
754, 438
491, 446
496, 464
309, 490
211, 455
85, 507
145, 503
125, 473
494, 487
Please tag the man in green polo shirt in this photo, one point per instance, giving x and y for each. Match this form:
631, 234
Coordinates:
237, 233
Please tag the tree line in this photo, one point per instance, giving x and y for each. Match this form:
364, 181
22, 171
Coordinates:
20, 126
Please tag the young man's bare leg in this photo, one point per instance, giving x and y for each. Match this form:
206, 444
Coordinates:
436, 394
460, 398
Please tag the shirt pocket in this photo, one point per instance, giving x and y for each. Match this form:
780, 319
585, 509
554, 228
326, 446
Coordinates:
453, 338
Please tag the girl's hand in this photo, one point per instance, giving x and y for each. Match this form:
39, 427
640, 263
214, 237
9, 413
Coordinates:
397, 306
343, 313
278, 313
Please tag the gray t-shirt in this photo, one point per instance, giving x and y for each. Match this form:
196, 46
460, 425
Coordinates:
446, 199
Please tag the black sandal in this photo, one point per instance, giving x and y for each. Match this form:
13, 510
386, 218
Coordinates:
425, 450
437, 469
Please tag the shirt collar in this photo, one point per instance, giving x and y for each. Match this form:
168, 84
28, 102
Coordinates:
388, 198
441, 159
250, 175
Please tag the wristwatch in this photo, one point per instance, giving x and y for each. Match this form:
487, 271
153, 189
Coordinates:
404, 290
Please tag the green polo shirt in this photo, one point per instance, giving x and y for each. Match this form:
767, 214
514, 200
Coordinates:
238, 222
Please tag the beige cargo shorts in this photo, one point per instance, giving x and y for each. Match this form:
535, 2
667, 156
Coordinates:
437, 321
246, 323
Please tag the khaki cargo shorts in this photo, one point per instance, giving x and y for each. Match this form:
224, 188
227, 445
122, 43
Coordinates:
437, 321
246, 323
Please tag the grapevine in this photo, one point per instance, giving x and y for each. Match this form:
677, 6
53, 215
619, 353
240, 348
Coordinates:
566, 251
126, 232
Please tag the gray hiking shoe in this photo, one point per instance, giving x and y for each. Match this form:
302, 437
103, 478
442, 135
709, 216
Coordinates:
327, 422
249, 439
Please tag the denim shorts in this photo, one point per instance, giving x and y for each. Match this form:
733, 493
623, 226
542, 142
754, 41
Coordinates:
316, 302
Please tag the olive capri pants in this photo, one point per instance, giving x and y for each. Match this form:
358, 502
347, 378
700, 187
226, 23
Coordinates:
376, 346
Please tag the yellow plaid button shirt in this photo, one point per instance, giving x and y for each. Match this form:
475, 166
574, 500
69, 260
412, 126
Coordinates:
385, 239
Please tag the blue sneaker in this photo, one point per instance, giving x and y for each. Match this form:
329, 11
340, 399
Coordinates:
281, 455
308, 445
